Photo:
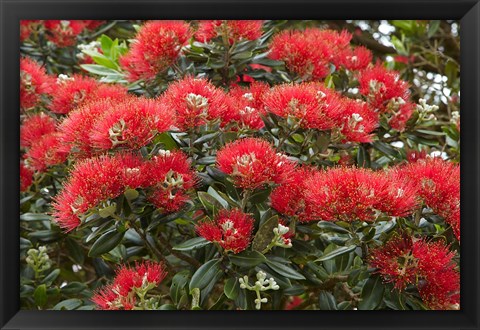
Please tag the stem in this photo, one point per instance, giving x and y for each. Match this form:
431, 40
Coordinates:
150, 247
246, 196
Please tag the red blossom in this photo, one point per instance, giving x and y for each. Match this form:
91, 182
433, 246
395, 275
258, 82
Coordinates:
34, 83
253, 163
72, 93
353, 58
437, 183
428, 265
350, 194
235, 30
130, 124
231, 229
63, 33
356, 121
308, 53
121, 294
289, 197
172, 179
26, 177
382, 86
195, 102
35, 127
310, 104
46, 152
156, 47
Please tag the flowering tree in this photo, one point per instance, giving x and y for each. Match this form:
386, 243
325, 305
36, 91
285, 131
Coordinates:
239, 165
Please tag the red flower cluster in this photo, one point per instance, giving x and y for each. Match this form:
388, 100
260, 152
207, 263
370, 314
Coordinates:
129, 282
73, 92
195, 102
64, 33
308, 53
289, 197
34, 83
234, 30
428, 265
231, 229
97, 180
25, 177
437, 184
35, 127
156, 47
350, 194
356, 121
246, 106
253, 163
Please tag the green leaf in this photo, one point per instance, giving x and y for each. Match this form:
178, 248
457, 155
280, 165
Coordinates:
105, 243
247, 258
265, 234
73, 287
131, 194
372, 293
433, 26
35, 217
99, 69
332, 227
336, 252
204, 274
191, 244
386, 149
40, 295
231, 288
68, 304
48, 280
107, 211
284, 270
209, 202
326, 301
179, 281
106, 44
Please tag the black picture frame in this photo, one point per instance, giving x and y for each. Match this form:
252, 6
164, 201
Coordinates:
12, 11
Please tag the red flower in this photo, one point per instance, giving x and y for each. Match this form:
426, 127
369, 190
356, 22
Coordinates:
121, 294
46, 152
353, 58
195, 101
293, 302
438, 185
130, 124
253, 163
382, 86
235, 30
172, 179
73, 93
246, 106
428, 265
64, 33
401, 113
34, 83
289, 197
25, 177
34, 128
156, 47
308, 53
310, 104
96, 180
350, 194
356, 121
231, 229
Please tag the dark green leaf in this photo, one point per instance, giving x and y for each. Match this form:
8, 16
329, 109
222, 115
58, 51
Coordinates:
40, 295
336, 252
247, 259
332, 227
35, 217
205, 274
179, 281
191, 244
326, 301
231, 288
372, 293
105, 243
265, 234
285, 270
68, 304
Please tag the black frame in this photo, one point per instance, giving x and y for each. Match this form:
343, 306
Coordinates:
14, 10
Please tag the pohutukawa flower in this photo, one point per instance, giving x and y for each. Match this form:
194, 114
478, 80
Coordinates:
94, 181
308, 53
156, 47
35, 127
195, 102
253, 163
356, 121
26, 177
309, 104
353, 58
130, 124
289, 197
63, 33
234, 29
34, 83
380, 86
246, 106
172, 180
72, 93
427, 265
401, 112
350, 194
45, 153
231, 229
128, 285
437, 183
